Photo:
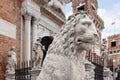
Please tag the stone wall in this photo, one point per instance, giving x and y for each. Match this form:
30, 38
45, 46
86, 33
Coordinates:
9, 15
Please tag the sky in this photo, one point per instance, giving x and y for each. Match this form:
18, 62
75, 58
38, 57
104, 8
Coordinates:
109, 11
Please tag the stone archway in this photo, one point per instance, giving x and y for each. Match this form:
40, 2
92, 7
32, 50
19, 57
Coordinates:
46, 41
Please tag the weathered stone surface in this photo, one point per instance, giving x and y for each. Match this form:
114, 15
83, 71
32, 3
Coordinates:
37, 54
9, 76
34, 73
7, 29
89, 68
56, 4
11, 61
104, 53
66, 55
107, 74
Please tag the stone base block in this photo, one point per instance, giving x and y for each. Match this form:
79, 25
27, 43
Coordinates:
9, 76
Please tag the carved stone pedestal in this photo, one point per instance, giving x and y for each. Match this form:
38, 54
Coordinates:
89, 68
9, 76
34, 73
107, 74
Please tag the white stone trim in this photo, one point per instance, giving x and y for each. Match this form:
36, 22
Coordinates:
7, 29
49, 24
31, 8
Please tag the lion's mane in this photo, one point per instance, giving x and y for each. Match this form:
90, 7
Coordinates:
63, 43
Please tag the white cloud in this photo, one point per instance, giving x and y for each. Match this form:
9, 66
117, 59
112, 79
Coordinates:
68, 14
109, 17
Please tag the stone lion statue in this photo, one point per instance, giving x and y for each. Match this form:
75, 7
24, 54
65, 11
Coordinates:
66, 55
57, 4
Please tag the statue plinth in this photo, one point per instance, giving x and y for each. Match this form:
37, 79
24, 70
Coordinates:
107, 74
9, 76
89, 68
34, 73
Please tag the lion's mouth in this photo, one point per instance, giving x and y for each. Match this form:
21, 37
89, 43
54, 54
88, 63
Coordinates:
79, 41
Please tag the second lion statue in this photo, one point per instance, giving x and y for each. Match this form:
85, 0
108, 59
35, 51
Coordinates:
66, 55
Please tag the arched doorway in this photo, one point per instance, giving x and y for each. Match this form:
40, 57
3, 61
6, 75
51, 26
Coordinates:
46, 41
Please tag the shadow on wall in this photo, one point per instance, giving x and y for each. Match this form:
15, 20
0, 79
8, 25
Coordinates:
46, 41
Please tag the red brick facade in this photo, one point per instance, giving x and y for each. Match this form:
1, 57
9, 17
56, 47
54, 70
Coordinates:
114, 49
10, 12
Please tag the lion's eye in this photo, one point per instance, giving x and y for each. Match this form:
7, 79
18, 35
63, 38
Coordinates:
83, 31
88, 23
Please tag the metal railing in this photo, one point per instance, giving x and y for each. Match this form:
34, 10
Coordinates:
22, 71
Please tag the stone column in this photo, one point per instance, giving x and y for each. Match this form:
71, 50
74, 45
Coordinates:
27, 37
34, 31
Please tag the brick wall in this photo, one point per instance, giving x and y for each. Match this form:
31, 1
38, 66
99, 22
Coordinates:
117, 38
10, 12
115, 57
114, 52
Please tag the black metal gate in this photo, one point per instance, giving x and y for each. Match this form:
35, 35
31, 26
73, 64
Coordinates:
98, 72
22, 71
118, 73
118, 76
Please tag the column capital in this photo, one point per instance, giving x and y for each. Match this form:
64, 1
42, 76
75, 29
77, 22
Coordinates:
35, 21
27, 17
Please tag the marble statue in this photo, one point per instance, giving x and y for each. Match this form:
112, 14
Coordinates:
37, 54
11, 61
104, 51
57, 4
66, 55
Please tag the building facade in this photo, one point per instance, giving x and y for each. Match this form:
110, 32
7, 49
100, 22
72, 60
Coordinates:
10, 26
114, 49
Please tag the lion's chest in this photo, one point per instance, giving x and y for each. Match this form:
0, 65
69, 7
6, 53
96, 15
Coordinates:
78, 71
64, 68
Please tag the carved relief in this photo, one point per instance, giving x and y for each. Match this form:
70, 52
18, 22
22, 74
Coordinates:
66, 55
104, 51
37, 54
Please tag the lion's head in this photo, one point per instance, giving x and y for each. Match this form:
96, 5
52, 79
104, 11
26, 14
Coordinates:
78, 34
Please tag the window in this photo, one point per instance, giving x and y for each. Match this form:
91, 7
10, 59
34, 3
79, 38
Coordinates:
93, 8
113, 44
81, 8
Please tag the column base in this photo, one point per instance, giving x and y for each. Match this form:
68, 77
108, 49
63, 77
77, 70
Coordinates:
34, 73
107, 74
9, 76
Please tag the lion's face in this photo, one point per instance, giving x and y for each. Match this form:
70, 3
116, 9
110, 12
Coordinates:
85, 33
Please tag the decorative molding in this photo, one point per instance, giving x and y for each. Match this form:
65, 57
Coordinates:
35, 21
49, 25
27, 17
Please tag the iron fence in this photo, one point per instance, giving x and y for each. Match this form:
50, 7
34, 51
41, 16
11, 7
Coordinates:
22, 71
98, 72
